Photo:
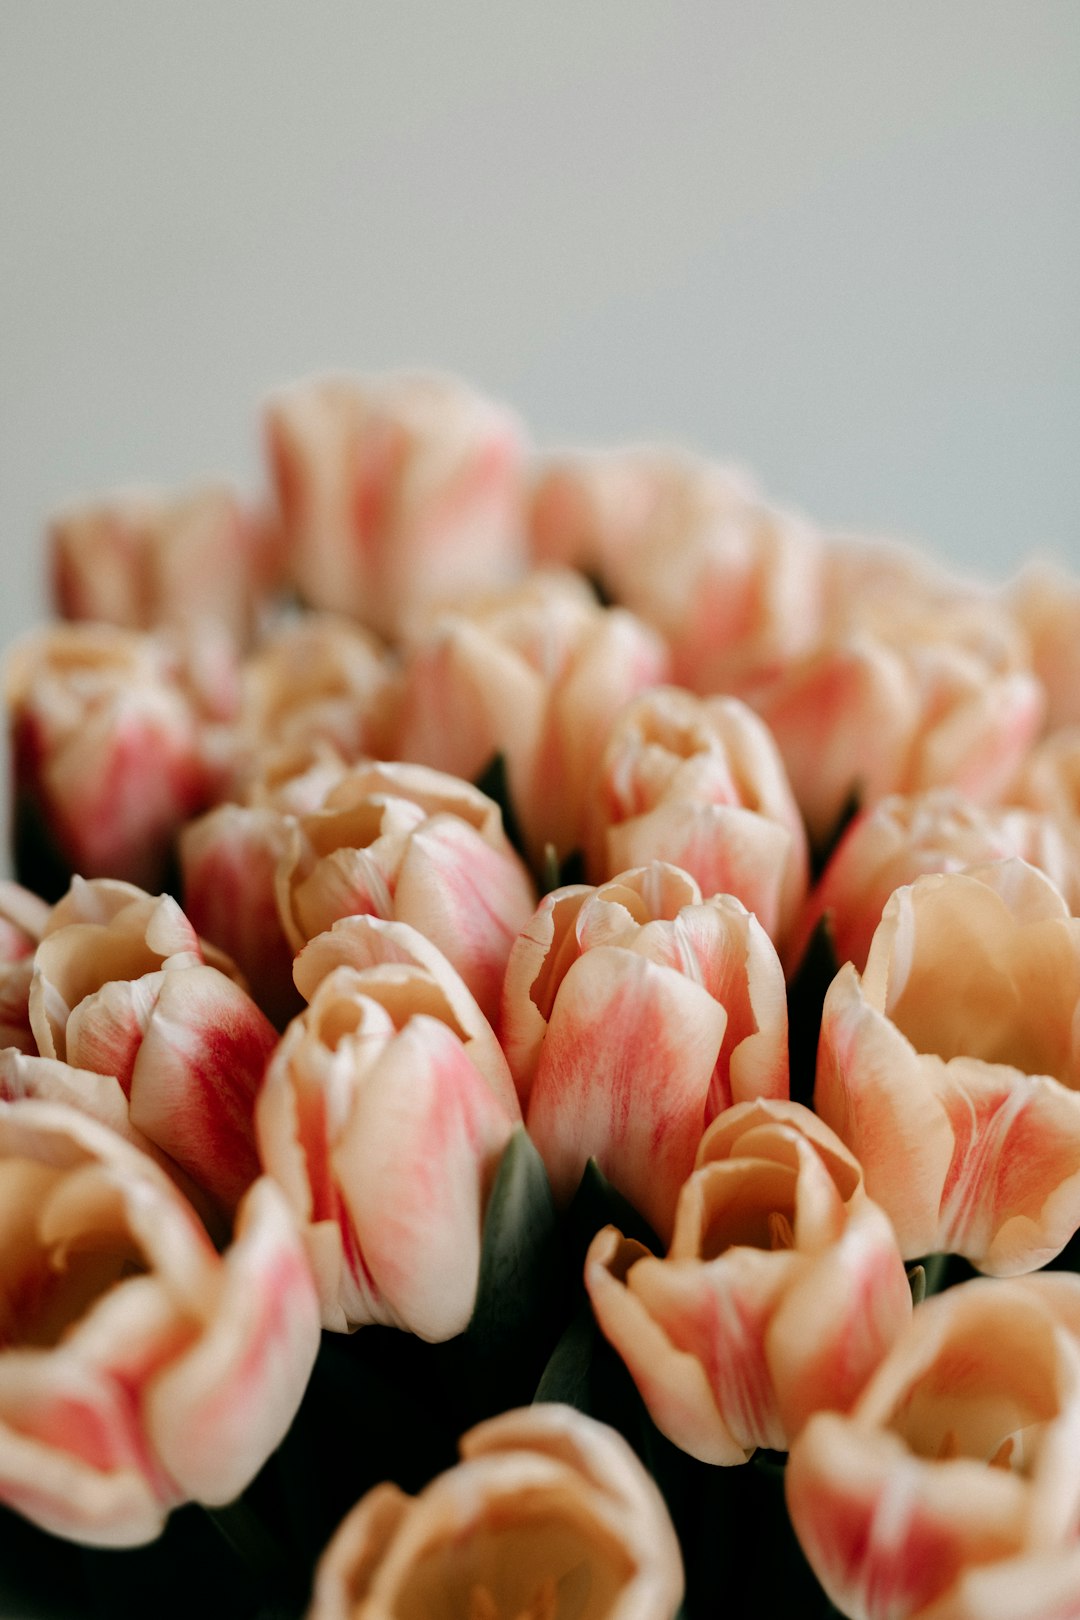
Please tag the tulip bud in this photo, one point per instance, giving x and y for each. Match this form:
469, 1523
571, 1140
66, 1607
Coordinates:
699, 783
632, 1015
122, 986
394, 492
380, 1121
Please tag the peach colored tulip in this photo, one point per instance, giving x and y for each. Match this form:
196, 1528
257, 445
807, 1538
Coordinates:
600, 511
141, 559
549, 1513
952, 1490
315, 684
698, 782
929, 705
690, 547
385, 1135
122, 986
1049, 778
632, 1015
415, 844
537, 675
395, 492
1045, 600
109, 751
951, 1066
782, 1289
139, 1369
906, 835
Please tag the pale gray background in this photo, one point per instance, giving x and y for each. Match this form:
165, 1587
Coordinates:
837, 239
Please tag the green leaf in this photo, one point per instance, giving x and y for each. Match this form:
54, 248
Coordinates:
596, 1204
519, 1259
568, 1374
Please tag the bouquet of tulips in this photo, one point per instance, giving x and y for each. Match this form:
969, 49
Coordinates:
540, 1071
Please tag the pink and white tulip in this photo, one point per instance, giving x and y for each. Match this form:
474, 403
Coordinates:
951, 1066
699, 783
109, 751
952, 1490
384, 1113
538, 676
632, 1015
122, 986
139, 1368
394, 492
782, 1288
404, 842
143, 559
548, 1513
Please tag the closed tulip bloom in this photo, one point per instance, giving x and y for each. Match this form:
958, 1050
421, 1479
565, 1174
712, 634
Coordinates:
781, 1291
122, 986
109, 750
906, 835
930, 704
317, 683
386, 1134
632, 1015
142, 559
139, 1369
404, 842
699, 783
951, 1066
394, 492
537, 675
549, 1513
951, 1491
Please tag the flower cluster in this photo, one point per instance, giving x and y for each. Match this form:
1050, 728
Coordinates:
557, 958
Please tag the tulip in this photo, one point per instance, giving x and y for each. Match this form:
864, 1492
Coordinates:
1049, 779
414, 844
383, 1115
732, 584
109, 749
139, 1369
952, 1489
538, 676
632, 1015
699, 783
782, 1289
122, 986
394, 492
142, 559
928, 705
906, 835
317, 685
951, 1066
549, 1513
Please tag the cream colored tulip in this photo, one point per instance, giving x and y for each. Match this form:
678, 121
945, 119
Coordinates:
781, 1291
548, 1513
951, 1066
